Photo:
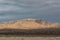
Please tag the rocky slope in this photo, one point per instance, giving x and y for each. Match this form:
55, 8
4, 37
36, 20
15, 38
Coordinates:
28, 24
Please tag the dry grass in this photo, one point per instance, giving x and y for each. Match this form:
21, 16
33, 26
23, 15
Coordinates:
29, 38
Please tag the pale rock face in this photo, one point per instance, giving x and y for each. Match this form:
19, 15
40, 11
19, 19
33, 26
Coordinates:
29, 19
28, 24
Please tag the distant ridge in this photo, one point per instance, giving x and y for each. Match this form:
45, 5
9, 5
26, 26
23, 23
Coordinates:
28, 23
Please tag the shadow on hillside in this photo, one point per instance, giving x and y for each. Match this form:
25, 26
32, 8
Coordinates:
22, 32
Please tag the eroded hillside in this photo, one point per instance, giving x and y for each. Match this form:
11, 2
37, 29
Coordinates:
28, 24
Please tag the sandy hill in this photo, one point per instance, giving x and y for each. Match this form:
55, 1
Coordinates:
28, 24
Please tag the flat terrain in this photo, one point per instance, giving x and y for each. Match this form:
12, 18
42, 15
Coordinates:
29, 38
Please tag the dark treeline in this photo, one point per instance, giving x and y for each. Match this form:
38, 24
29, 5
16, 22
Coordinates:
46, 31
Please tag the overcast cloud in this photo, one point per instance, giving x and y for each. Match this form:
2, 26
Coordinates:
41, 9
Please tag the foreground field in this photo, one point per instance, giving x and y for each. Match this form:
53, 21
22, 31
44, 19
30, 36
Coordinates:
29, 38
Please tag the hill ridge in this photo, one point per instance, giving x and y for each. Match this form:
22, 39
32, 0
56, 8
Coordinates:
28, 23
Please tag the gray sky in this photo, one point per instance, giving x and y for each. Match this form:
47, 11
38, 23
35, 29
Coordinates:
18, 9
